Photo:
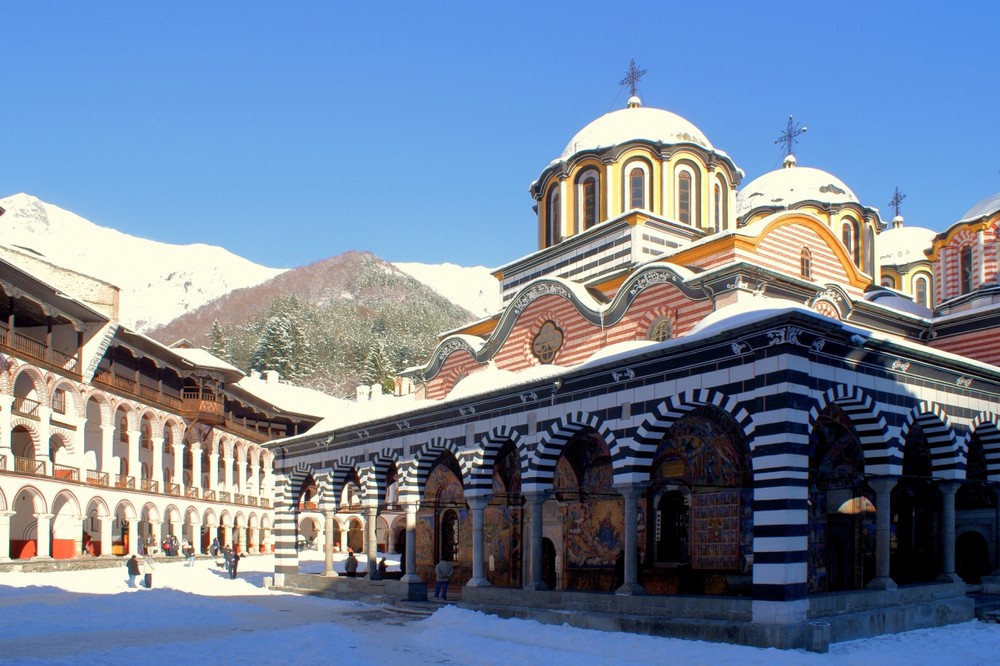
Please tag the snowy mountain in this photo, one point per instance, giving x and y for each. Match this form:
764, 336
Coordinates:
474, 288
158, 281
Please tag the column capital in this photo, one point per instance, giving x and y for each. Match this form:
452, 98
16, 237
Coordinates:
630, 490
949, 487
478, 501
883, 484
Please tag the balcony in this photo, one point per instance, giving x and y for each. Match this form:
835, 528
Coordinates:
26, 407
22, 345
251, 500
209, 495
124, 482
172, 489
29, 466
203, 406
191, 492
239, 499
96, 478
65, 472
224, 496
149, 485
265, 503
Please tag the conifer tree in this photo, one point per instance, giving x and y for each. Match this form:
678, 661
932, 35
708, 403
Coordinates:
218, 345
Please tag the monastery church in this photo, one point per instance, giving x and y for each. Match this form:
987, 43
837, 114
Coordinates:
744, 411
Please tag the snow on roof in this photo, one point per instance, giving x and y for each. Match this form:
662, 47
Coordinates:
904, 245
987, 206
291, 399
203, 359
899, 303
634, 123
788, 186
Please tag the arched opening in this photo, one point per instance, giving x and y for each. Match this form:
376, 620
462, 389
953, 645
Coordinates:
504, 521
972, 557
553, 217
444, 529
965, 269
588, 195
915, 554
841, 507
590, 511
699, 515
356, 535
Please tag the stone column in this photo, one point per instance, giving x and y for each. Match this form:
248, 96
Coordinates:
883, 518
478, 506
241, 538
178, 451
194, 537
134, 466
328, 545
78, 536
631, 585
195, 464
411, 546
107, 537
213, 471
44, 527
5, 535
133, 537
155, 530
107, 450
536, 501
227, 473
156, 469
371, 538
948, 490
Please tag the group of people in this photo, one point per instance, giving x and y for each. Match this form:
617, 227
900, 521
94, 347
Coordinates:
147, 566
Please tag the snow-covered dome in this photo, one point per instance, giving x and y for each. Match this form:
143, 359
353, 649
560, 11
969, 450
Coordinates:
904, 245
987, 206
635, 122
790, 185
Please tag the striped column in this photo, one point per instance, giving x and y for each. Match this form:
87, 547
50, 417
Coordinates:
286, 557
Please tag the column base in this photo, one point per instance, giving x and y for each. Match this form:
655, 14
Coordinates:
990, 584
537, 587
411, 578
882, 583
630, 589
331, 574
477, 582
950, 578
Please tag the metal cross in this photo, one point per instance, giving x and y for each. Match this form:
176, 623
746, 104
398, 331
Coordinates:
632, 77
789, 136
897, 198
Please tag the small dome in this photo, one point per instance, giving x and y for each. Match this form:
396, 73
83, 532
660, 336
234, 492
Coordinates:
791, 185
904, 245
635, 122
987, 206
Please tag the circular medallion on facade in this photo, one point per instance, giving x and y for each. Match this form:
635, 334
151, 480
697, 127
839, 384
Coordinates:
547, 343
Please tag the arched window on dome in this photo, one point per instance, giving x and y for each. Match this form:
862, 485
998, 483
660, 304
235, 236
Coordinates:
588, 198
552, 217
684, 195
921, 290
870, 252
721, 205
888, 281
637, 192
806, 263
849, 234
965, 269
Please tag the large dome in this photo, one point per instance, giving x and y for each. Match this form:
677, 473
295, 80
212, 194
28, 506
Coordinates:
904, 245
632, 123
791, 185
987, 206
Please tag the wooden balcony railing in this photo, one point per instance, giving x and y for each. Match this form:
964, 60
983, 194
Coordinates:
122, 481
149, 485
240, 499
265, 503
251, 500
205, 406
224, 496
36, 350
191, 491
307, 506
29, 466
26, 407
172, 488
65, 472
209, 495
3, 462
96, 478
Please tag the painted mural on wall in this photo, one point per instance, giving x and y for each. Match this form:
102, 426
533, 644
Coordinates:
504, 522
442, 518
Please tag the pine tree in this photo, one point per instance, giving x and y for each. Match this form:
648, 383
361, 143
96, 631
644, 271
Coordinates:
378, 369
218, 345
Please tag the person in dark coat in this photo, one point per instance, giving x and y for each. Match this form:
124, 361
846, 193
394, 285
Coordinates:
351, 564
235, 562
214, 548
132, 566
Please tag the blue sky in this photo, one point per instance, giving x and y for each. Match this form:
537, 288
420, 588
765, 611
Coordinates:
289, 132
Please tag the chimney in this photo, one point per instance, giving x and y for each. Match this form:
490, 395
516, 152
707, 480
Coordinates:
363, 392
271, 376
376, 391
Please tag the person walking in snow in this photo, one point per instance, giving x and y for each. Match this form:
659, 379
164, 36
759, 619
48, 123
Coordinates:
214, 548
147, 569
188, 554
443, 572
235, 562
132, 566
351, 564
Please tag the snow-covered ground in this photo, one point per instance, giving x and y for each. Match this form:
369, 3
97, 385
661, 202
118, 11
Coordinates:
198, 615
